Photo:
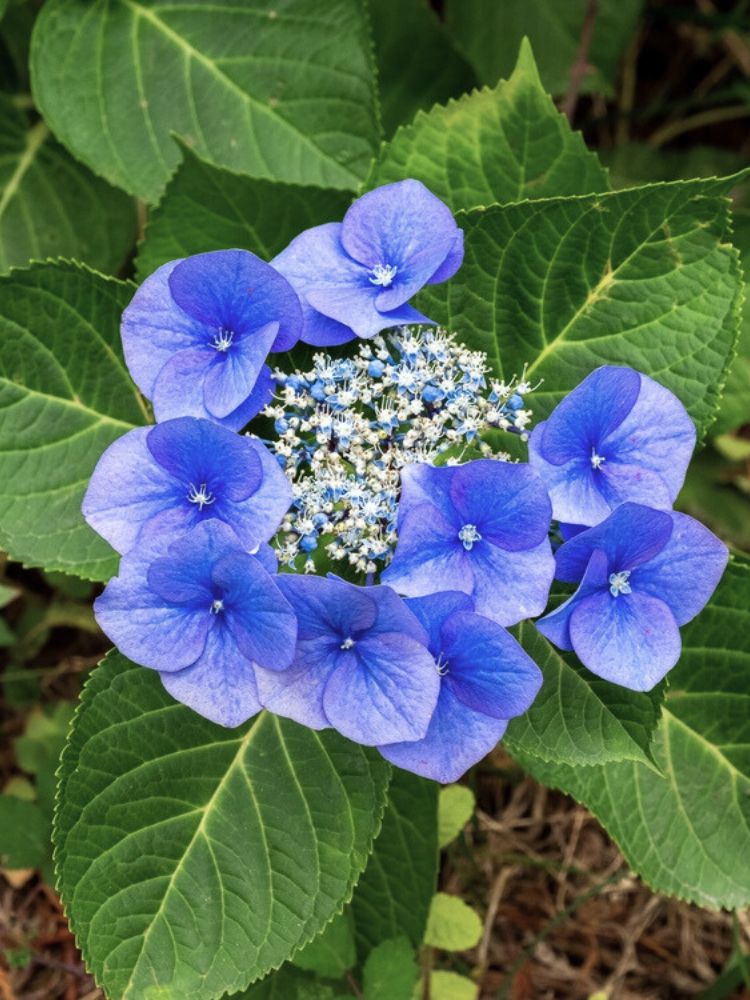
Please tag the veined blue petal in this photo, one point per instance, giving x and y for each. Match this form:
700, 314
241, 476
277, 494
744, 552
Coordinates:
511, 586
232, 378
428, 554
556, 625
433, 610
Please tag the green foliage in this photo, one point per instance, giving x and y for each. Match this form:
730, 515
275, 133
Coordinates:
490, 33
390, 971
332, 952
52, 206
643, 277
579, 719
248, 840
38, 749
24, 833
294, 83
64, 396
502, 145
206, 208
455, 808
418, 66
393, 896
687, 831
452, 925
450, 986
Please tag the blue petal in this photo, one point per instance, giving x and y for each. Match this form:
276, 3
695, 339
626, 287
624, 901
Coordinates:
220, 685
619, 483
127, 489
556, 625
235, 290
488, 670
657, 434
573, 487
182, 574
385, 691
433, 610
422, 483
588, 414
297, 692
326, 607
428, 555
199, 451
631, 640
154, 328
687, 570
402, 225
231, 380
257, 614
631, 535
321, 331
456, 739
452, 262
507, 502
511, 586
258, 518
394, 615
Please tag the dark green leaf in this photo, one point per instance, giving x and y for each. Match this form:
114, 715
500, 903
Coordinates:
195, 859
282, 89
207, 208
24, 833
332, 952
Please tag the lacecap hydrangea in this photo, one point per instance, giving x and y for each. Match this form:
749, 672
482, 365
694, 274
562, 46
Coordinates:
375, 459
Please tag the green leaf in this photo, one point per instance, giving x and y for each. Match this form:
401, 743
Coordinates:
284, 91
643, 277
490, 32
332, 952
38, 749
51, 206
207, 208
687, 832
503, 145
579, 719
293, 984
711, 494
65, 395
735, 401
455, 808
391, 971
450, 986
452, 925
194, 858
393, 896
24, 833
418, 65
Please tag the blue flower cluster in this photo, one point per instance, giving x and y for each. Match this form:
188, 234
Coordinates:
420, 664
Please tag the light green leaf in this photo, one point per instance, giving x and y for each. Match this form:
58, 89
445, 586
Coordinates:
450, 986
711, 493
199, 858
293, 984
51, 206
455, 808
38, 749
24, 833
417, 63
643, 277
207, 208
393, 896
490, 32
687, 832
390, 971
280, 90
452, 925
65, 395
503, 145
579, 719
735, 401
332, 952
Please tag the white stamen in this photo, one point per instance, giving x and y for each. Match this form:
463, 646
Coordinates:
468, 535
223, 340
347, 643
201, 496
441, 666
383, 275
596, 460
216, 607
618, 583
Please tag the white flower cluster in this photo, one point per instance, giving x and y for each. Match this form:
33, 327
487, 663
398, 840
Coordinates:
347, 427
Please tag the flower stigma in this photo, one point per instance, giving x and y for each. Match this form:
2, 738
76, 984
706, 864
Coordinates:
383, 275
348, 643
216, 606
597, 460
223, 340
202, 496
618, 583
468, 535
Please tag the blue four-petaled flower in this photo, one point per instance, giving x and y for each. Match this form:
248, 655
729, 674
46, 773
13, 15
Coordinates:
205, 614
361, 666
197, 333
479, 528
180, 473
485, 679
355, 277
641, 574
617, 436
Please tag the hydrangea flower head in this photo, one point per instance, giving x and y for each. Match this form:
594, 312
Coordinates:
361, 665
203, 613
355, 277
479, 528
485, 679
642, 573
617, 436
197, 333
181, 473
